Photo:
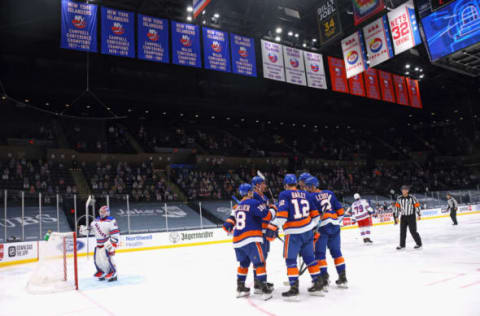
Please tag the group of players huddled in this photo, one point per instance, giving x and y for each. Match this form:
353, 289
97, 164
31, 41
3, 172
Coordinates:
310, 219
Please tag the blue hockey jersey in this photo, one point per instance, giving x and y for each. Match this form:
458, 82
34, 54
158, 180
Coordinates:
249, 215
297, 211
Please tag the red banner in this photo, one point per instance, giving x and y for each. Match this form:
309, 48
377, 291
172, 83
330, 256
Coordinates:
371, 83
414, 93
356, 85
400, 89
338, 76
386, 86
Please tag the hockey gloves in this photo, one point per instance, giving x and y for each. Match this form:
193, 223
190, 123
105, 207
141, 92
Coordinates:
272, 232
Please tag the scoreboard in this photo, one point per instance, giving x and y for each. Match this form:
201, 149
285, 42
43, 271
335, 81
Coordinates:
437, 4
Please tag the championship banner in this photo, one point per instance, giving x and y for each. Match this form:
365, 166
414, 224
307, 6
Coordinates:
354, 54
377, 39
365, 9
337, 74
272, 57
400, 89
199, 6
371, 84
243, 55
186, 45
294, 66
216, 50
356, 85
315, 70
414, 93
386, 86
118, 32
404, 28
79, 26
152, 38
328, 19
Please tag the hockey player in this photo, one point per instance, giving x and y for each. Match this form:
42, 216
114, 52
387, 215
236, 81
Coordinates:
259, 187
362, 213
248, 239
329, 232
301, 180
297, 215
107, 235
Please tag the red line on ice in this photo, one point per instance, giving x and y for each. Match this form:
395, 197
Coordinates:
445, 280
471, 284
106, 310
259, 308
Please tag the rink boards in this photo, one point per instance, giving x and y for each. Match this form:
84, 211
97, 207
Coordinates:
25, 252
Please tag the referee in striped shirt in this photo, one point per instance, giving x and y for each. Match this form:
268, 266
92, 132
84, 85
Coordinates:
406, 207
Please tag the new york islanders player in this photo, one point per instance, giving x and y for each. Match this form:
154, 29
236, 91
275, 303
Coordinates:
329, 230
301, 180
248, 239
362, 213
107, 235
297, 215
259, 187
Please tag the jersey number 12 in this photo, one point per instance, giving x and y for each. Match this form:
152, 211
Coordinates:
304, 211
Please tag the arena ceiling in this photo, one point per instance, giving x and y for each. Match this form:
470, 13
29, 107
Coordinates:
35, 68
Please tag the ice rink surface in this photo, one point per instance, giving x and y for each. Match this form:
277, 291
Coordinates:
443, 278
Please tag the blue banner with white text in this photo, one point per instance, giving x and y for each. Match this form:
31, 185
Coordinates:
186, 45
153, 38
79, 26
243, 55
118, 32
216, 50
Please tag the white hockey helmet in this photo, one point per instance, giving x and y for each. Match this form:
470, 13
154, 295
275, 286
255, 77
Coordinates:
356, 196
104, 211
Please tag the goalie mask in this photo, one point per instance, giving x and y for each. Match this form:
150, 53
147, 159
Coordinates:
104, 211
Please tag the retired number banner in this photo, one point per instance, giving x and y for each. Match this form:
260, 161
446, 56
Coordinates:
354, 54
243, 55
386, 86
272, 57
79, 26
365, 9
377, 39
118, 32
216, 50
356, 85
400, 89
414, 93
315, 70
337, 74
371, 84
404, 28
153, 38
186, 44
294, 66
328, 19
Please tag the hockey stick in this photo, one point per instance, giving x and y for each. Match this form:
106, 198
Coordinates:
235, 199
260, 174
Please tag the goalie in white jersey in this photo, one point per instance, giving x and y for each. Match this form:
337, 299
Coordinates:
362, 213
107, 235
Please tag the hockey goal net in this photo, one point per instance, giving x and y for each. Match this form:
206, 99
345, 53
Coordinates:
56, 270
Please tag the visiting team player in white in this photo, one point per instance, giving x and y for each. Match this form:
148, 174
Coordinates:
362, 213
107, 235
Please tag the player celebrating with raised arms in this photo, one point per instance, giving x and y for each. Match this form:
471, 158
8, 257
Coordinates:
362, 213
248, 239
297, 215
329, 231
107, 235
